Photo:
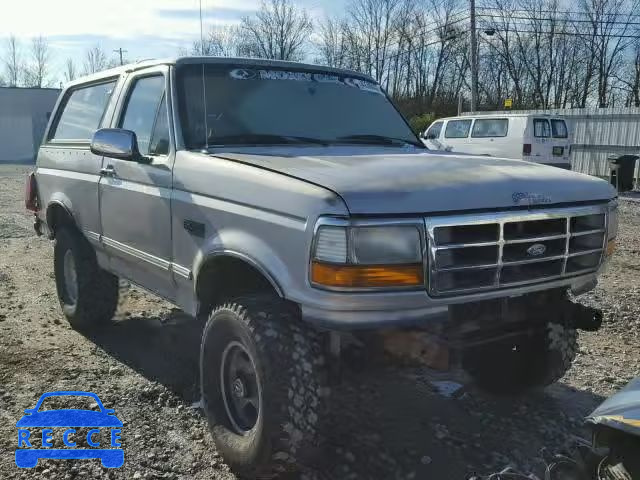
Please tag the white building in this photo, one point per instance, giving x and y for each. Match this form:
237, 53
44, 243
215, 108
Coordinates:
24, 113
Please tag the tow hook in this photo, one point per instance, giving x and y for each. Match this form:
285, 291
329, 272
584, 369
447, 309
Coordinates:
583, 317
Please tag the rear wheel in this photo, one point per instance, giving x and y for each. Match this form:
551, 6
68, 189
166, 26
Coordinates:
263, 385
515, 365
88, 295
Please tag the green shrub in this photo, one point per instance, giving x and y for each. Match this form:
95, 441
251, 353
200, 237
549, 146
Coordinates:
420, 123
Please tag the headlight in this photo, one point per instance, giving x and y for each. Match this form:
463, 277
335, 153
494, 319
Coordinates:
385, 245
612, 227
367, 256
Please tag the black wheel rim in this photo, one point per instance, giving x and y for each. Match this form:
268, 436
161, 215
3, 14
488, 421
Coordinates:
240, 387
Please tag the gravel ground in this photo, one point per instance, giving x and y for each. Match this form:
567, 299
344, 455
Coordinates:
389, 424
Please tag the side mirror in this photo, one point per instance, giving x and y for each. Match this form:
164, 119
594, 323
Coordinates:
117, 143
430, 136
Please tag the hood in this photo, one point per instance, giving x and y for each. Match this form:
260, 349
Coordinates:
69, 418
396, 181
620, 411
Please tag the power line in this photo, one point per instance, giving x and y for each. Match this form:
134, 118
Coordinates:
559, 20
574, 34
560, 12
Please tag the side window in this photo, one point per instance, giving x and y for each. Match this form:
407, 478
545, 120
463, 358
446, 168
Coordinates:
559, 129
82, 112
457, 129
144, 108
490, 127
541, 128
434, 131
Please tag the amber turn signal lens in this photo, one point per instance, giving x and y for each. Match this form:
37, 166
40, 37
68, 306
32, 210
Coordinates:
611, 247
359, 276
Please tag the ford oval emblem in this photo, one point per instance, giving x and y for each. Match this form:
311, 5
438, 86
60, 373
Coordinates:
536, 250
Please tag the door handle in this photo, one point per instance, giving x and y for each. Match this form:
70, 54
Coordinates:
108, 171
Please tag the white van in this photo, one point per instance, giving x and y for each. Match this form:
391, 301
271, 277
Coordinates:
535, 138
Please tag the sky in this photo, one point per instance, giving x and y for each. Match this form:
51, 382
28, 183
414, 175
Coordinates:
145, 28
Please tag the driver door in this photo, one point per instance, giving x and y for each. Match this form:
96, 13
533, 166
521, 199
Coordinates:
135, 197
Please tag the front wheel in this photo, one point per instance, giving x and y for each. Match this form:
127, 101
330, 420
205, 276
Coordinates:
263, 385
88, 295
530, 361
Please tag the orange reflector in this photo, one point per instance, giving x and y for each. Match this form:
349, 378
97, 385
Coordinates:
611, 246
359, 276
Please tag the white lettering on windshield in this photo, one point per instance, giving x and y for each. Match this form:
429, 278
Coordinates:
249, 74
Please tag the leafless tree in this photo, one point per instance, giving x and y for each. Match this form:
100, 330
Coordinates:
95, 60
38, 70
332, 44
220, 41
71, 72
279, 30
13, 62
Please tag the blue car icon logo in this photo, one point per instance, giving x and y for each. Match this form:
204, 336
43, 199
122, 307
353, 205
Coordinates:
28, 452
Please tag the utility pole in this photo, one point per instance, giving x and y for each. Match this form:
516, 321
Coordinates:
201, 34
121, 51
474, 57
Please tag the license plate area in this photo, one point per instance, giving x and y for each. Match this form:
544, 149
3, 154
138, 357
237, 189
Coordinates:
558, 151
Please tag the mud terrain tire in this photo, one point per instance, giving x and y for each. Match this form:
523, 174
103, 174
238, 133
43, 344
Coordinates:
513, 366
290, 379
93, 301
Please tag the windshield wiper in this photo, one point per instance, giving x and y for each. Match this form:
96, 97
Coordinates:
263, 139
378, 140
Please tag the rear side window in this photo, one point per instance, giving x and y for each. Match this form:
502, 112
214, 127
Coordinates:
83, 111
490, 127
434, 131
146, 115
541, 128
559, 129
457, 129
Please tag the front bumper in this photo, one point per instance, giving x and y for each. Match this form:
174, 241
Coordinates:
351, 311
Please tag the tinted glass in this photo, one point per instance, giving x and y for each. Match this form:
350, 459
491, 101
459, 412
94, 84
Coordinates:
83, 111
142, 109
559, 129
541, 128
256, 106
457, 129
490, 127
434, 130
160, 138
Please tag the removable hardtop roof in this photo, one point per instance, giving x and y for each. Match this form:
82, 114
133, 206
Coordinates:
231, 61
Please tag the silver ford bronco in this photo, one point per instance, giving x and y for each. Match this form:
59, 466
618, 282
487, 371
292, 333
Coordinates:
292, 208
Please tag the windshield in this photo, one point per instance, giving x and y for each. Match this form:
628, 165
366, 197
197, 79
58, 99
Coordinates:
249, 106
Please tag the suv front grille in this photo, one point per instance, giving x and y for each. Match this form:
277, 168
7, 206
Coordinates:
483, 252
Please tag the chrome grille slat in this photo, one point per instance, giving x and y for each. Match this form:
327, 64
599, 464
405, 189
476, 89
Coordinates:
468, 267
585, 252
588, 232
465, 245
569, 236
535, 239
